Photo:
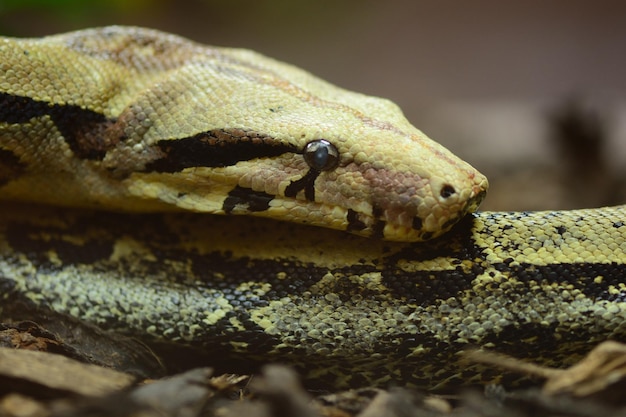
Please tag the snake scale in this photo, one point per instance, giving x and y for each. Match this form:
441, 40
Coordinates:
119, 145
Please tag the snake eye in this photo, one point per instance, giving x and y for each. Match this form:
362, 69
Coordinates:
321, 155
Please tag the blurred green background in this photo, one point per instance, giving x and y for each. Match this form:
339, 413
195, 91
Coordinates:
532, 93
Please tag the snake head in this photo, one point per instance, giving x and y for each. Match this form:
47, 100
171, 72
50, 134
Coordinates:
169, 124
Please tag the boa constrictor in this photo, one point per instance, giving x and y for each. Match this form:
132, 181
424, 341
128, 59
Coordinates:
118, 147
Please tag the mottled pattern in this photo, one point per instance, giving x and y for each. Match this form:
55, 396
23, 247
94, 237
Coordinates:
139, 120
345, 310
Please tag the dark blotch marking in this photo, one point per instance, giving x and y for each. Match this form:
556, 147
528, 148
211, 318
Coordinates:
617, 225
354, 223
14, 109
377, 212
306, 183
451, 222
561, 230
379, 226
37, 242
84, 130
378, 229
580, 275
417, 223
425, 287
252, 200
216, 148
10, 167
226, 274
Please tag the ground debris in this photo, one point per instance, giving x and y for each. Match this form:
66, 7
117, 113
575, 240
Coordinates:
33, 371
49, 331
600, 375
42, 384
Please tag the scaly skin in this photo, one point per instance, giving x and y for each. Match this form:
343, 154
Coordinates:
347, 311
137, 120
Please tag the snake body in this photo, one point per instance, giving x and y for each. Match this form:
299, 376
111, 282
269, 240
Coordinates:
164, 133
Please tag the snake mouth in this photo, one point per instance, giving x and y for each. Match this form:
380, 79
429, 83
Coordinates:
398, 225
474, 202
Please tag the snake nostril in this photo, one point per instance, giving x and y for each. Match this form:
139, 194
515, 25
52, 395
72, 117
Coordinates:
447, 191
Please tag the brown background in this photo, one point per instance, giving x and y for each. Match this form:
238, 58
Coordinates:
483, 77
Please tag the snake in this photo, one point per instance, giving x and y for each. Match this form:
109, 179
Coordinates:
217, 199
